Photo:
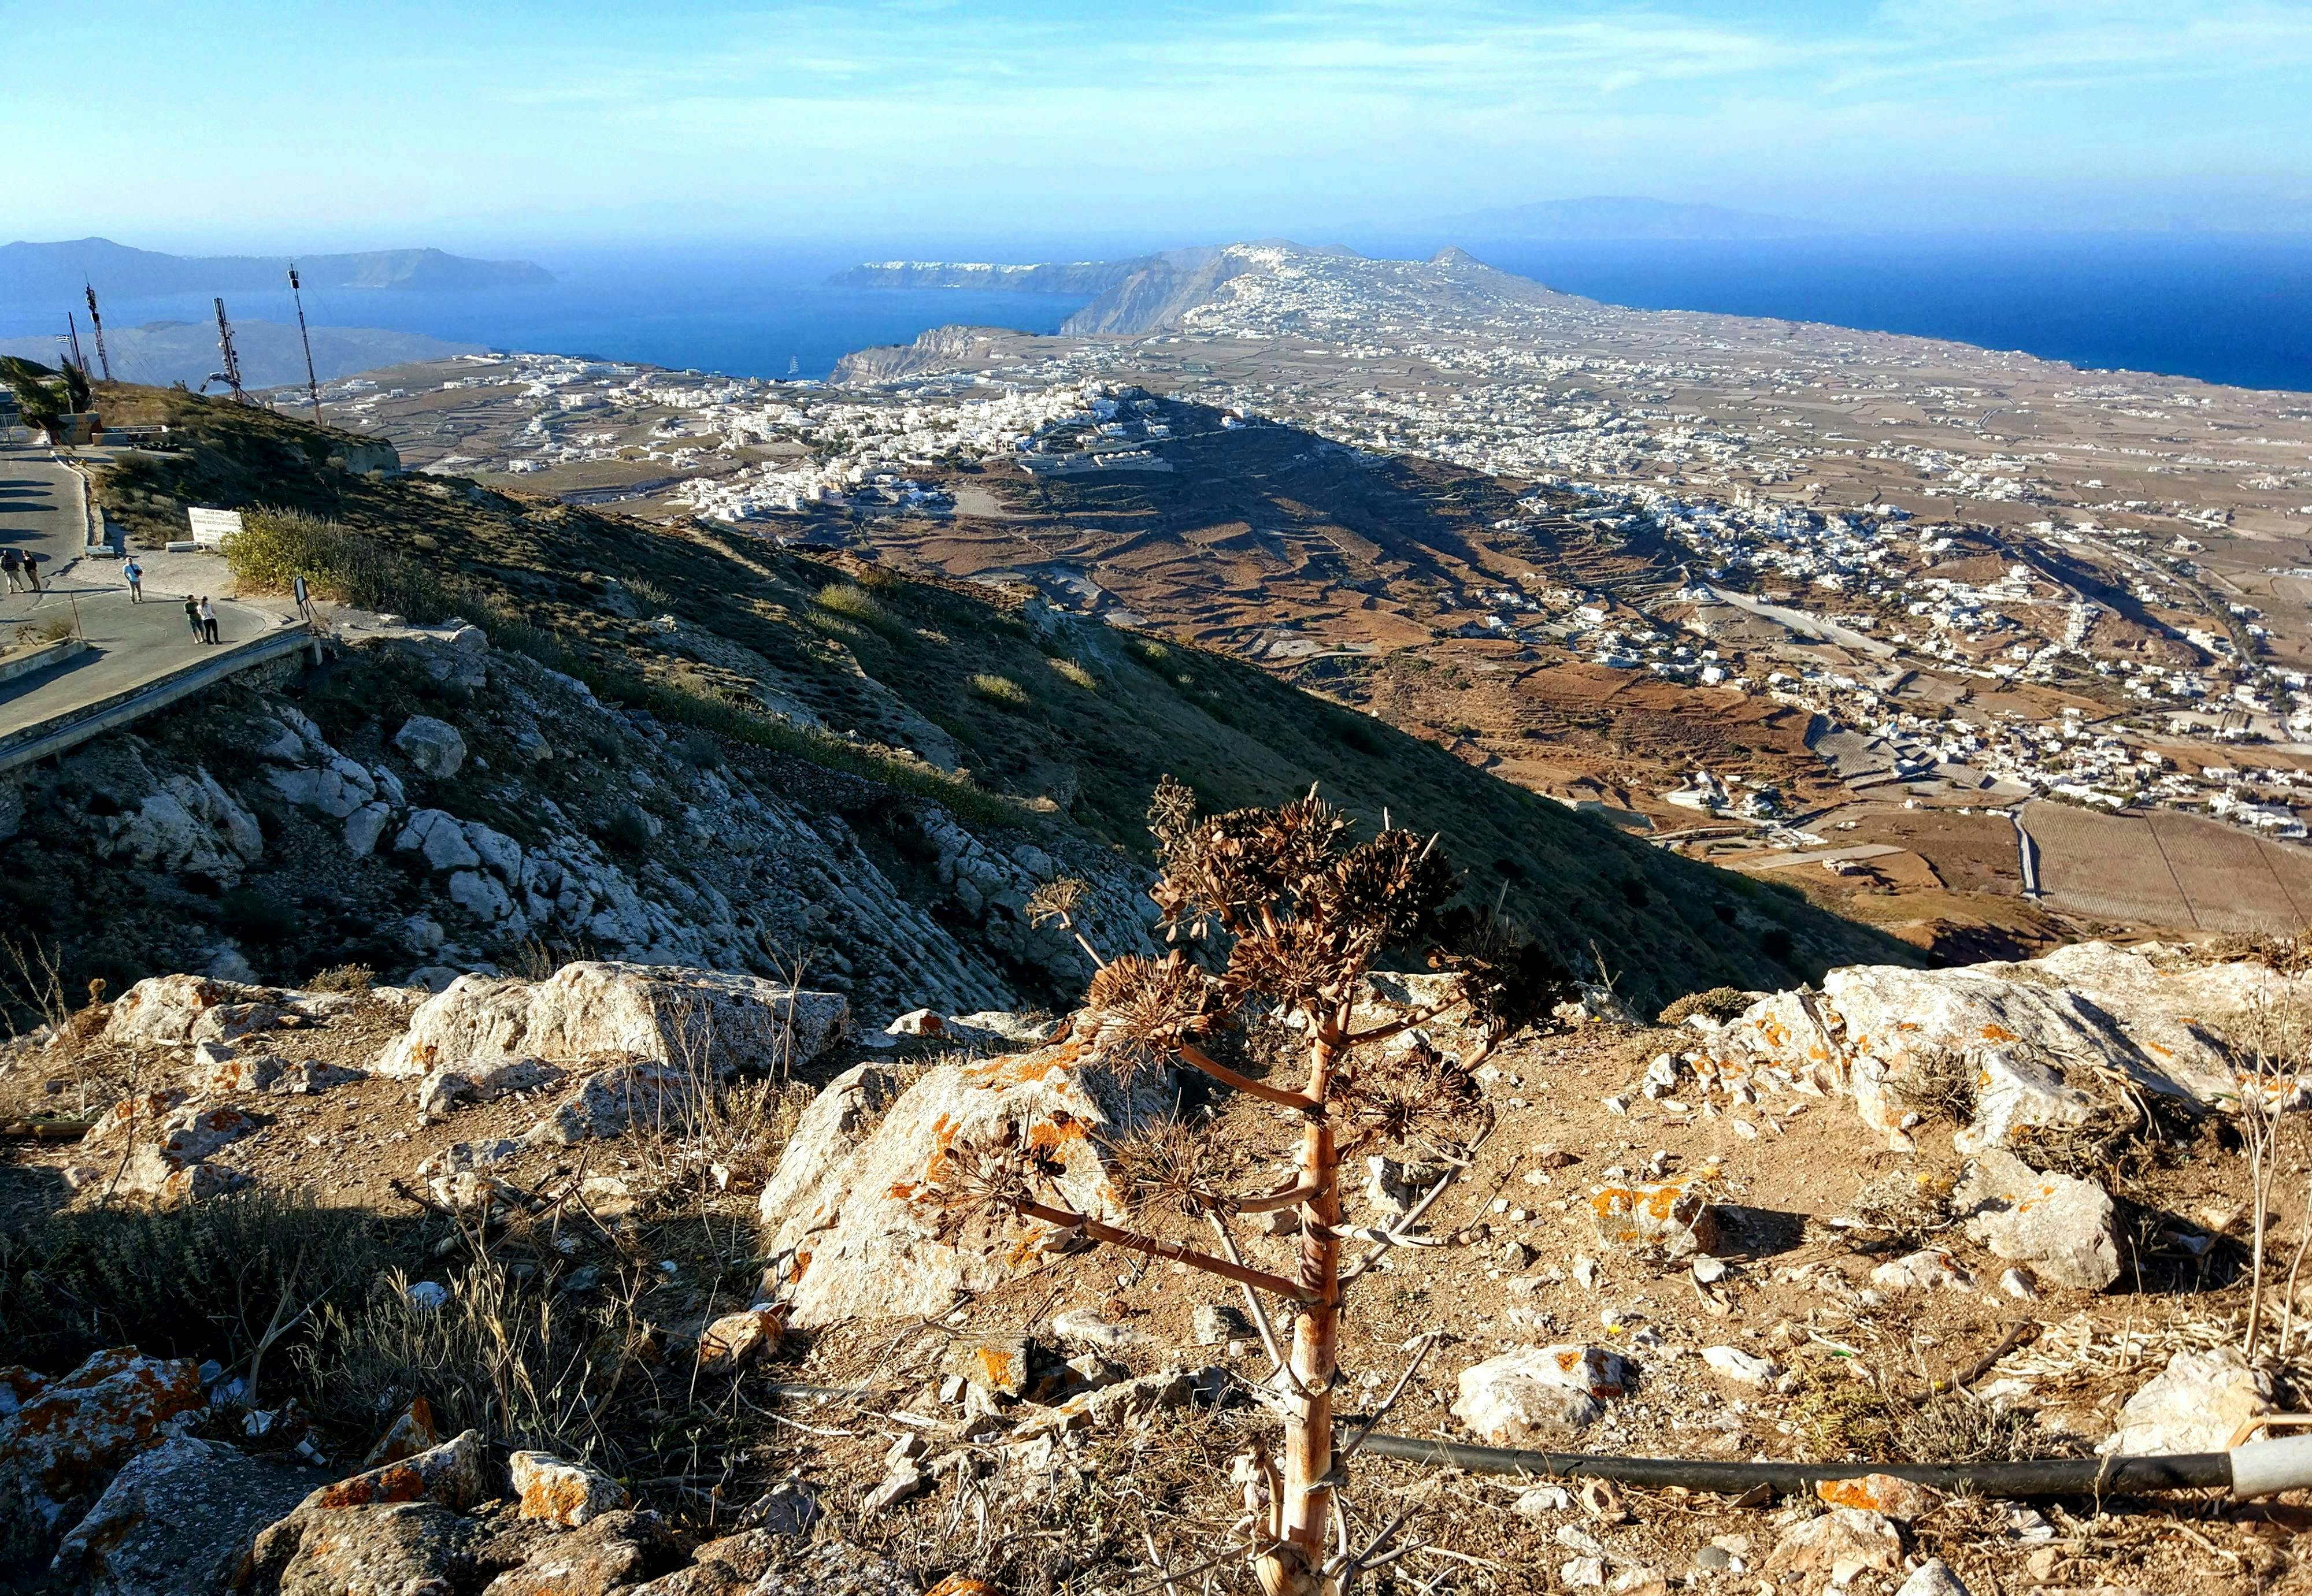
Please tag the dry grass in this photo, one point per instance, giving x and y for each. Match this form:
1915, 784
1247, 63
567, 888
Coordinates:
1001, 690
1939, 1087
1070, 671
1719, 1003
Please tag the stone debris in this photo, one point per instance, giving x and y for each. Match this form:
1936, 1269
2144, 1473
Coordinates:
2063, 1228
2195, 1404
1545, 1391
709, 1021
178, 1517
560, 1492
852, 1221
609, 1102
1083, 1327
1215, 1324
606, 1555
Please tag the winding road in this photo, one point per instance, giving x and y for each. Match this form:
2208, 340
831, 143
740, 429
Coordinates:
131, 644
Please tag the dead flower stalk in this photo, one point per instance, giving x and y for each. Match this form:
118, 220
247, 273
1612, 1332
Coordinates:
1289, 915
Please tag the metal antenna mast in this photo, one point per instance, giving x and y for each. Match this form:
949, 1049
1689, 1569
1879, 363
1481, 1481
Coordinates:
231, 375
72, 331
312, 388
96, 325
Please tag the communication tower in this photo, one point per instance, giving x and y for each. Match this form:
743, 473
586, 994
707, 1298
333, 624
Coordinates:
312, 389
96, 325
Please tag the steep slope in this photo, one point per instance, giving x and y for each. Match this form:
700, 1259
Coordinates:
793, 719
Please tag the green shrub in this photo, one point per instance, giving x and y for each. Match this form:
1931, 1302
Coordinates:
356, 979
849, 599
1000, 690
1070, 671
1719, 1003
275, 547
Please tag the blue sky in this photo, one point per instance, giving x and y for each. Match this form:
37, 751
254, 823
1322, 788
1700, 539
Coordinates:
482, 125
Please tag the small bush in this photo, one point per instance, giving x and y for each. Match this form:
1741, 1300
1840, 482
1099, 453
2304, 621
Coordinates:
629, 831
1719, 1003
356, 979
275, 547
1000, 690
849, 599
1069, 670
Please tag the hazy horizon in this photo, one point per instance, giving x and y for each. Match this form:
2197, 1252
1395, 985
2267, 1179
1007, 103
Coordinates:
492, 129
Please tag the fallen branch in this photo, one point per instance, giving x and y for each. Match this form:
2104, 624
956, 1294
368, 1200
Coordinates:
1172, 1252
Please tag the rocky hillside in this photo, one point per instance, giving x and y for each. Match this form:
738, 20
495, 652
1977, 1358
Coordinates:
637, 1280
583, 735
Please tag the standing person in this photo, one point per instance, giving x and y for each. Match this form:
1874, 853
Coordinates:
193, 617
135, 575
13, 564
208, 620
32, 570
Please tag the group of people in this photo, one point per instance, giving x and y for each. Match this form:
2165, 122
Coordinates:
22, 572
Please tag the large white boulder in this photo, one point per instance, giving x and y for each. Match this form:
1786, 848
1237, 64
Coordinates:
432, 745
704, 1019
853, 1220
2036, 1035
2064, 1228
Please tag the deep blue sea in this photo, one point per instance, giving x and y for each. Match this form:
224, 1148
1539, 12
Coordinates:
2233, 309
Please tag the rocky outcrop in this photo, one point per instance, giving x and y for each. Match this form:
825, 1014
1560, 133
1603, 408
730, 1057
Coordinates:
704, 1019
178, 1520
2065, 1229
2197, 1403
63, 1440
157, 1145
2033, 1039
852, 1216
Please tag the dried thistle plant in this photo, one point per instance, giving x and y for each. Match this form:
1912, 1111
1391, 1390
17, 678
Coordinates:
1168, 1166
1416, 1097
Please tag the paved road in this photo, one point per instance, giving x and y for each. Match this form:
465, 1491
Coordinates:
132, 643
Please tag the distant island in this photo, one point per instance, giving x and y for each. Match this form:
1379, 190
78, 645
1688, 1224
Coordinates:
1073, 276
161, 353
1619, 216
31, 273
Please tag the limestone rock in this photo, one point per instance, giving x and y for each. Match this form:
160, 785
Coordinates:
61, 1441
1871, 1027
190, 825
1545, 1391
736, 1340
407, 1548
609, 1102
1928, 1269
156, 1145
718, 1021
559, 1492
2194, 1404
1900, 1500
1671, 1218
178, 1010
1743, 1368
177, 1520
607, 1555
1933, 1577
853, 1224
997, 1365
1841, 1543
453, 1475
2063, 1228
439, 837
432, 745
413, 1429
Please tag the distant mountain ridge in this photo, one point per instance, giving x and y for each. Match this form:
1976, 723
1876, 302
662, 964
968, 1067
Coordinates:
1070, 276
1620, 216
31, 272
161, 353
